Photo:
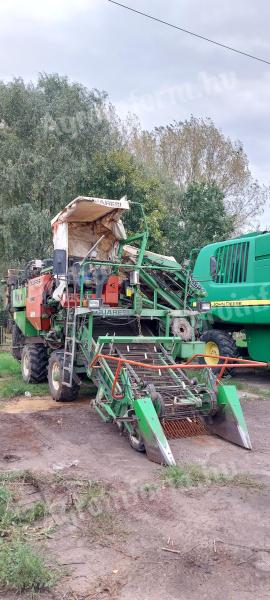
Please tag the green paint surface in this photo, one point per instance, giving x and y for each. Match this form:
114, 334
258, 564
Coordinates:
243, 276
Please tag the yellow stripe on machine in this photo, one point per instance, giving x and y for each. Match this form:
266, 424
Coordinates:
220, 303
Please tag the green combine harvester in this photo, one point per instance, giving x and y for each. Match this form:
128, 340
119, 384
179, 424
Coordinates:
236, 276
107, 309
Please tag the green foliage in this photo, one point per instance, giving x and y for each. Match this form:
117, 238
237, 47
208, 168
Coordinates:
199, 219
11, 382
59, 140
11, 517
21, 568
32, 514
5, 497
8, 365
117, 174
193, 475
15, 386
10, 476
92, 493
195, 150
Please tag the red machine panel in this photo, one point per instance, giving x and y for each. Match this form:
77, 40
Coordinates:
36, 312
110, 294
111, 288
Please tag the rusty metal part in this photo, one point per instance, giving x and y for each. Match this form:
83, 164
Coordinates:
181, 327
183, 428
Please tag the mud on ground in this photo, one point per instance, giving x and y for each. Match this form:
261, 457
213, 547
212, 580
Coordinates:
217, 536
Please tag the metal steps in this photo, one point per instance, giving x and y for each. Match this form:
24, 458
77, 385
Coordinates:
69, 351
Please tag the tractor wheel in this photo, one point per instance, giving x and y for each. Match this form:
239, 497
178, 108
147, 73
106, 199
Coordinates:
34, 363
218, 343
18, 341
136, 440
60, 392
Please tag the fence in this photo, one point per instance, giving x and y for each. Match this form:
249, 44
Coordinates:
5, 334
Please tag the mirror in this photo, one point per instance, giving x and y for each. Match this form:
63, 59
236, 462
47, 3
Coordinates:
213, 267
59, 262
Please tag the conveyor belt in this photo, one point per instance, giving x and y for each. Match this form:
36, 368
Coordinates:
180, 417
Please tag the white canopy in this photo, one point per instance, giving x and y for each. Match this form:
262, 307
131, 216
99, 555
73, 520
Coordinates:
85, 221
86, 210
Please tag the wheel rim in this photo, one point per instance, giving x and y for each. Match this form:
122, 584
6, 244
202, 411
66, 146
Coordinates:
56, 376
212, 349
26, 366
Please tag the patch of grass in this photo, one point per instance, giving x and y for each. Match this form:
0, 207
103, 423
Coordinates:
148, 487
15, 386
88, 498
8, 365
32, 514
11, 382
102, 524
180, 476
100, 514
12, 518
246, 481
192, 475
21, 475
21, 568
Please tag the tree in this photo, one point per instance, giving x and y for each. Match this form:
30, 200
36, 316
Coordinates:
59, 140
197, 151
200, 219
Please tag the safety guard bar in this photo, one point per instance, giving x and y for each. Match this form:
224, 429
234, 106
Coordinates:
232, 363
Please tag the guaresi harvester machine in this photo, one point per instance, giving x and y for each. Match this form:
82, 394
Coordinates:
107, 308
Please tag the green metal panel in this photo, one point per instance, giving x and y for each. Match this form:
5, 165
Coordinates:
258, 343
156, 444
188, 349
26, 328
229, 422
241, 292
240, 295
19, 297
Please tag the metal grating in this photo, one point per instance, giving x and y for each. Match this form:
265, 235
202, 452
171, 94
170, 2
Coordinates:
183, 428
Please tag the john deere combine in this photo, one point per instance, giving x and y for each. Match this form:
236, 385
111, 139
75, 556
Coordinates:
107, 308
236, 278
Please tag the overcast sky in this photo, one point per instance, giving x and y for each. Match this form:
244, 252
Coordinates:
147, 68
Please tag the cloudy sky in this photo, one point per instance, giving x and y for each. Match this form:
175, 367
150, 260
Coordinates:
147, 68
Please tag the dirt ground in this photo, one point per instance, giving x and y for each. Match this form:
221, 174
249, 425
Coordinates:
221, 534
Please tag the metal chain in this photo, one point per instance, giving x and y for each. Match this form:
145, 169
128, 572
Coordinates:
139, 324
111, 344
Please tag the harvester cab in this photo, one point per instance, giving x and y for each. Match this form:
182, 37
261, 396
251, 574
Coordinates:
111, 310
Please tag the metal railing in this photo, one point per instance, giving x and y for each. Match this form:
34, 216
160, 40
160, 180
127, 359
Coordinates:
232, 363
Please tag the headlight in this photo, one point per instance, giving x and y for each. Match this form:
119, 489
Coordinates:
94, 303
205, 306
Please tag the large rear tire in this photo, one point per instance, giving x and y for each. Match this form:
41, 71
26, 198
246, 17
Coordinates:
34, 363
218, 343
18, 341
60, 392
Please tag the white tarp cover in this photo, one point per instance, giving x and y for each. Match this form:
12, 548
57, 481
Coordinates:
82, 223
86, 209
